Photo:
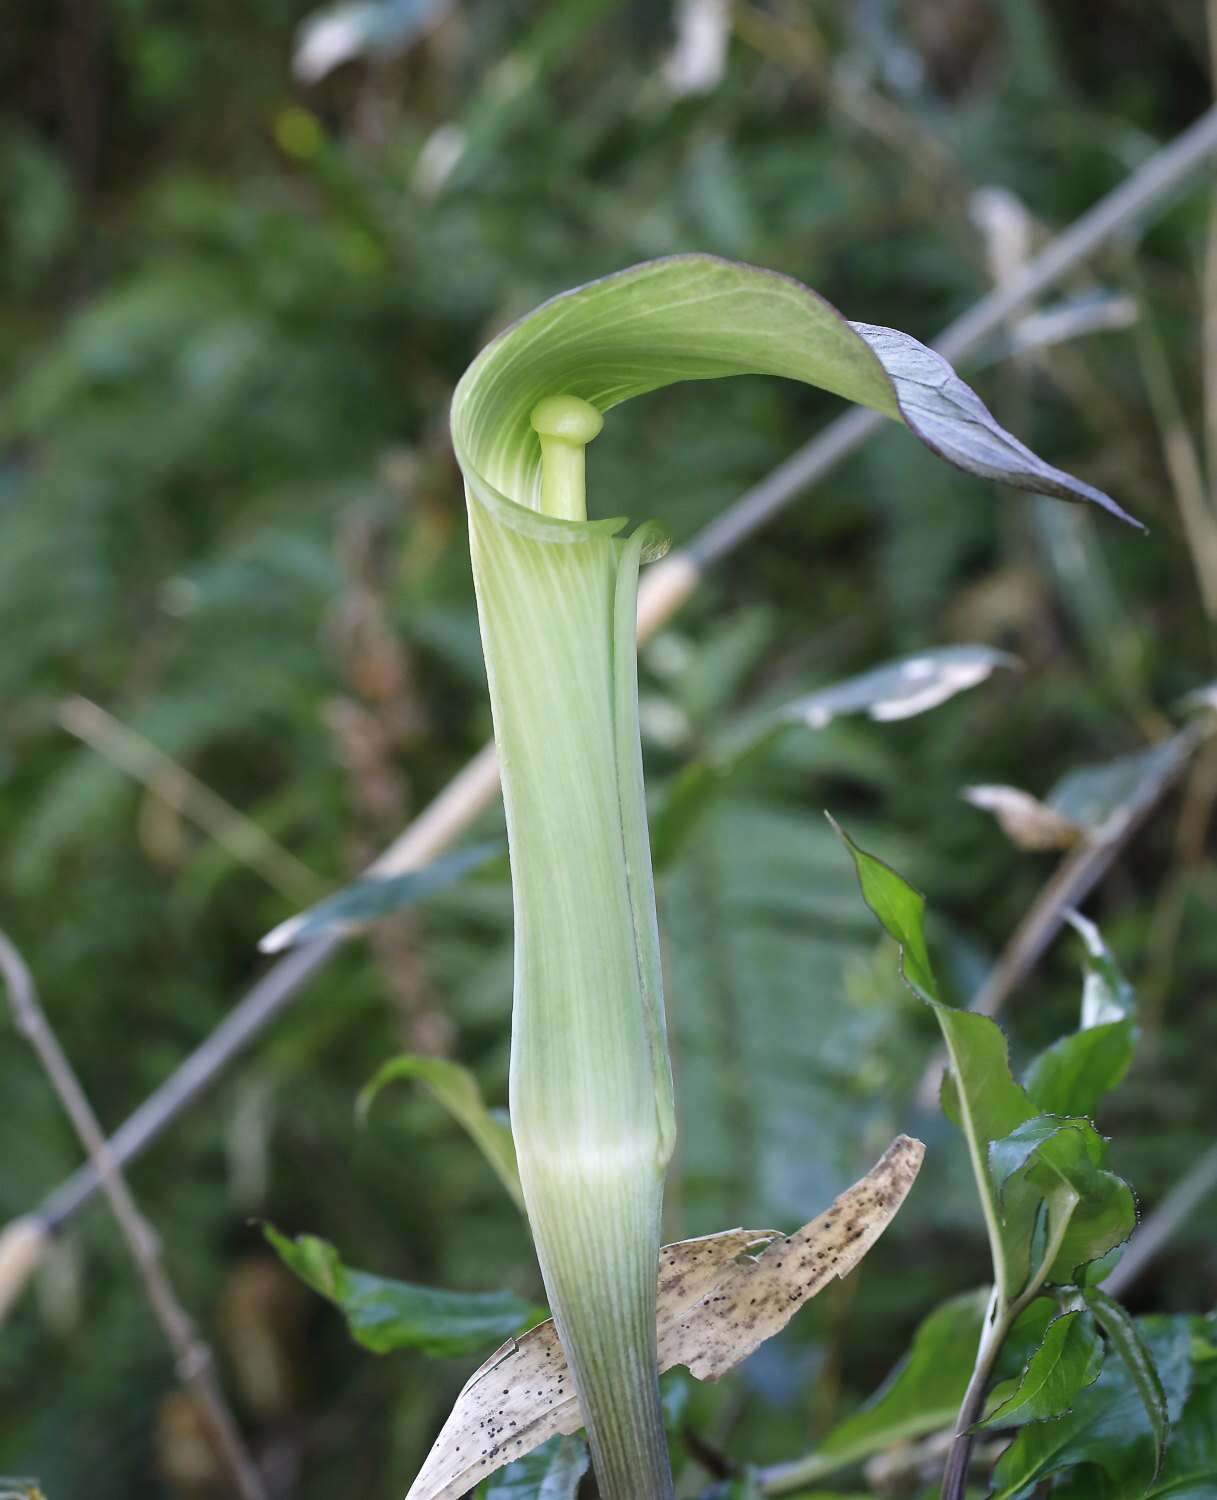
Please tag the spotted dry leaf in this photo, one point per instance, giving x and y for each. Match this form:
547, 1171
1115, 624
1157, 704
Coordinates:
717, 1302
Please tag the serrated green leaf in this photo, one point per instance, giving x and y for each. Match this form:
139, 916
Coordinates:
1064, 1144
900, 909
979, 1094
1134, 1351
1072, 1075
1107, 1426
384, 1315
460, 1093
1105, 1216
1060, 1159
1068, 1360
550, 1472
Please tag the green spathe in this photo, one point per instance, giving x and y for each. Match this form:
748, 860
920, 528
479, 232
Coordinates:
591, 1093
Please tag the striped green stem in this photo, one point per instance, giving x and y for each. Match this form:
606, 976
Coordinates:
591, 1097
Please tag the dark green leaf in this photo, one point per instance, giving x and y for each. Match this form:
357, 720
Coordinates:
1189, 1469
1105, 1216
1134, 1351
1107, 1426
550, 1472
979, 1095
1071, 1076
1068, 1360
1065, 1144
378, 896
1059, 1159
384, 1315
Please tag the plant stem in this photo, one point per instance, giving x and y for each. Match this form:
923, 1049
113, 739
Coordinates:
192, 1357
590, 1082
1000, 1317
993, 1334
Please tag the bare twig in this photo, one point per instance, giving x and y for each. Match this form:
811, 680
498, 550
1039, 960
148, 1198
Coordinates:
193, 1358
1067, 887
665, 588
167, 779
1150, 1238
1182, 459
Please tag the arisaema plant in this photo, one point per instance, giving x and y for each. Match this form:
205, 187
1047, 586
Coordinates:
591, 1086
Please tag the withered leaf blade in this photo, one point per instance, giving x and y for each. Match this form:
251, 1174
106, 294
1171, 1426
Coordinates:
717, 1303
1026, 821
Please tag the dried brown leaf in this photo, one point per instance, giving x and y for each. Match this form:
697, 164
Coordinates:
1025, 820
717, 1303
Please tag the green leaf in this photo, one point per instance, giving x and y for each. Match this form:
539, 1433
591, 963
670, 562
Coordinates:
1108, 1426
1189, 1468
979, 1094
384, 1315
1104, 1217
1068, 1360
460, 1093
696, 317
550, 1472
921, 1395
1134, 1351
900, 909
1060, 1159
1063, 1144
356, 905
1071, 1076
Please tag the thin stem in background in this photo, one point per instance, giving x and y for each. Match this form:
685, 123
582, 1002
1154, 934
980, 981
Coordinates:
664, 589
1156, 1231
193, 1358
170, 781
1182, 460
1191, 841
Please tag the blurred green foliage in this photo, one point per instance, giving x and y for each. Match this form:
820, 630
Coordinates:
235, 306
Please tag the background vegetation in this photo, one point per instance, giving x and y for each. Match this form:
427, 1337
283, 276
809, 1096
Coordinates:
236, 302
